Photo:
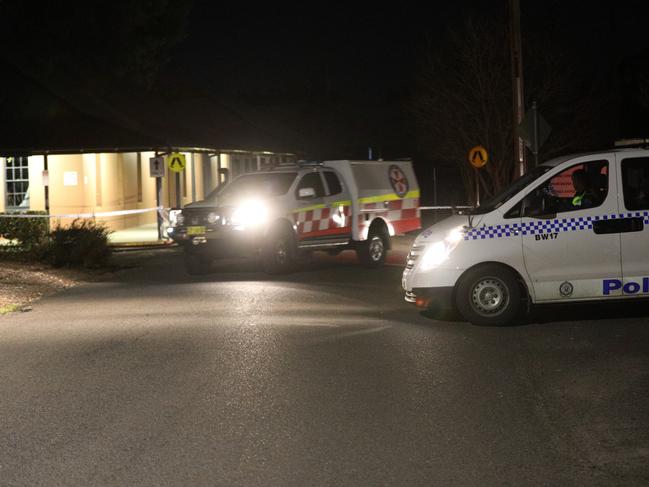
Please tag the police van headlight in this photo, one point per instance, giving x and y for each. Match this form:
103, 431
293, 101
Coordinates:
438, 252
249, 214
176, 218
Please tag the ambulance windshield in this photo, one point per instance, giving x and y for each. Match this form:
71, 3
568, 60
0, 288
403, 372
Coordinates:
262, 185
500, 198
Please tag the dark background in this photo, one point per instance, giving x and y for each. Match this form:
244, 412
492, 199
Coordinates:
326, 82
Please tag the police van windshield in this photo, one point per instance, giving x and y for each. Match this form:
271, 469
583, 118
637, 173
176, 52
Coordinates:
261, 185
500, 198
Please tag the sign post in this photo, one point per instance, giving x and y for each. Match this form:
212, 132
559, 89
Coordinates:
534, 130
157, 171
157, 167
478, 158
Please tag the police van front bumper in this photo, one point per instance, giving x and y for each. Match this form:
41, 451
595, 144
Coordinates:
432, 297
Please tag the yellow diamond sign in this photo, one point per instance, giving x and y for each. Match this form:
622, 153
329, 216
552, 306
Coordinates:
478, 156
176, 162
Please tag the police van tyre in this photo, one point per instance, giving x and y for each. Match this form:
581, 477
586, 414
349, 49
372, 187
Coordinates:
197, 265
373, 251
279, 252
489, 295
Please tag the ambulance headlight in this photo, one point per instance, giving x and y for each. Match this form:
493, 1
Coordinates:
438, 252
249, 214
212, 217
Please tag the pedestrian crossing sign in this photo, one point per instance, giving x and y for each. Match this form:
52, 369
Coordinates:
176, 162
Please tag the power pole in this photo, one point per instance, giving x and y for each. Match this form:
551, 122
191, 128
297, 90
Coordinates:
517, 81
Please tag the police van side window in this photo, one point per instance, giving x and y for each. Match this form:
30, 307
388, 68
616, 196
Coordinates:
311, 180
578, 187
333, 182
635, 183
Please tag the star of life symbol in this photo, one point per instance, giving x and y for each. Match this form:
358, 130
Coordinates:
398, 181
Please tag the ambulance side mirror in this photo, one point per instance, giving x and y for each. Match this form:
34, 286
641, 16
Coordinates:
304, 193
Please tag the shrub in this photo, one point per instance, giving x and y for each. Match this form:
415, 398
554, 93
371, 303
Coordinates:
29, 232
83, 243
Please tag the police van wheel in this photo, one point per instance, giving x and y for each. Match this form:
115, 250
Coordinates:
373, 251
196, 265
278, 254
489, 295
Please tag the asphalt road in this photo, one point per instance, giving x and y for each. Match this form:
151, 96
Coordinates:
322, 377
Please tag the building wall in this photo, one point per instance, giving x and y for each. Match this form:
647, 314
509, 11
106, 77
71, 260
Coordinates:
148, 190
67, 195
3, 186
36, 184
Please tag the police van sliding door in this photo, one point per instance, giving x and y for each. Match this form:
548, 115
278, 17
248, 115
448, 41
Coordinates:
634, 211
570, 246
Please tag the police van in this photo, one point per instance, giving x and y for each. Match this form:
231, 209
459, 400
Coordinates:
290, 210
572, 229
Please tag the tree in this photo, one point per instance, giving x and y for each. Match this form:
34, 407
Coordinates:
464, 98
102, 41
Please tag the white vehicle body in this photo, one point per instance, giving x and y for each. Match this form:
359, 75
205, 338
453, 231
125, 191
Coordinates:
330, 206
558, 252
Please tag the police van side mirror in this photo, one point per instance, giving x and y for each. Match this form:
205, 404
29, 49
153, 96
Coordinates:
304, 193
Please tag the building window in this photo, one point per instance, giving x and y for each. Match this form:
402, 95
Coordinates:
17, 180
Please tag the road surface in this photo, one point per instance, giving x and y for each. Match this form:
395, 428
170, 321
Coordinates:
322, 377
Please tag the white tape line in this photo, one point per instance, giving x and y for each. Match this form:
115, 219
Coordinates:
87, 215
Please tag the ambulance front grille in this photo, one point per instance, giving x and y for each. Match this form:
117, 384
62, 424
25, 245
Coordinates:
413, 255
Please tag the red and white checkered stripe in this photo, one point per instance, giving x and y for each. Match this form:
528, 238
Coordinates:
323, 221
402, 214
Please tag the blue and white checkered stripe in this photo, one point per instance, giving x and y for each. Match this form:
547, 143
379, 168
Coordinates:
548, 226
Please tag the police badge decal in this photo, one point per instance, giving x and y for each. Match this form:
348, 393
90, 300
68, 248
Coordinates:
566, 289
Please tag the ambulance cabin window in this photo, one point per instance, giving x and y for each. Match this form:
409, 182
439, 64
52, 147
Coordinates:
333, 182
635, 183
311, 180
578, 187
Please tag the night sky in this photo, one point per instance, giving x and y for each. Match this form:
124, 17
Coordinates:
335, 80
367, 59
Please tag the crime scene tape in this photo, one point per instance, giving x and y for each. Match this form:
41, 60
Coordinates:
159, 209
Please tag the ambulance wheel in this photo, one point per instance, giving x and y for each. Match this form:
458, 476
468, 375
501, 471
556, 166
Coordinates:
373, 251
278, 253
489, 295
196, 265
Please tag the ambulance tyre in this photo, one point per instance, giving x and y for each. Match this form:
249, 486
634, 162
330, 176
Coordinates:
196, 265
490, 295
279, 252
373, 251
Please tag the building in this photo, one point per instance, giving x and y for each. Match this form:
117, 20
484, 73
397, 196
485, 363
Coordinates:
119, 180
67, 153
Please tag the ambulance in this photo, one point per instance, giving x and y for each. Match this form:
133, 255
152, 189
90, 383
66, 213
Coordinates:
573, 229
282, 213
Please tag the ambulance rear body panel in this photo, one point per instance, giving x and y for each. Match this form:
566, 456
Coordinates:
381, 189
575, 254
